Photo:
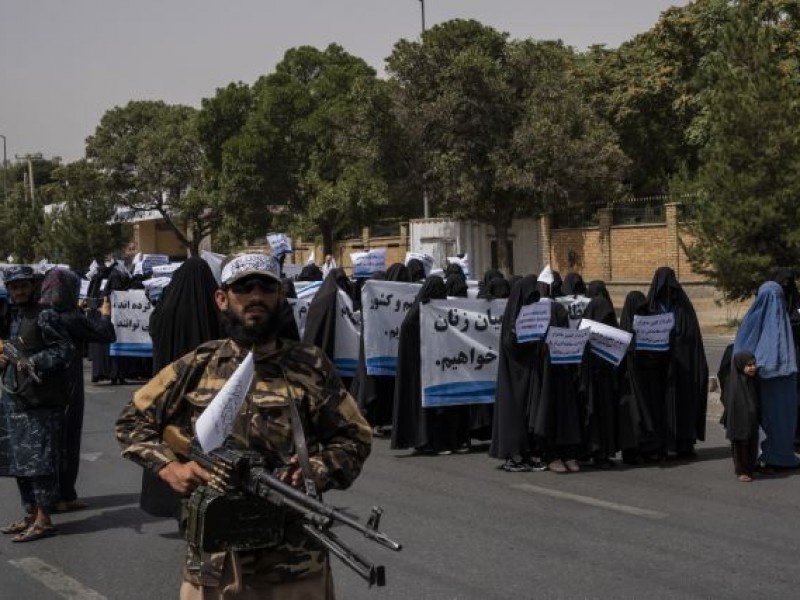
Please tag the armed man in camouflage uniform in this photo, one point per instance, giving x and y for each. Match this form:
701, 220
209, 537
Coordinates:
337, 436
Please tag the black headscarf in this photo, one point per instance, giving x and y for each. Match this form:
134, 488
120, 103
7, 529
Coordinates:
321, 319
416, 270
186, 314
409, 428
498, 288
454, 269
456, 286
517, 378
573, 285
741, 399
689, 367
635, 304
556, 288
310, 272
398, 272
488, 277
597, 288
600, 309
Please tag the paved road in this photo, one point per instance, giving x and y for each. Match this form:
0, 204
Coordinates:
470, 530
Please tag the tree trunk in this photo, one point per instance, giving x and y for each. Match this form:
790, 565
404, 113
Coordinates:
501, 228
327, 239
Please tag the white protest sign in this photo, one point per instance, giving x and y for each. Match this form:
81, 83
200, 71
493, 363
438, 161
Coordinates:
280, 243
348, 336
532, 322
384, 306
575, 306
473, 288
151, 260
366, 264
425, 259
459, 350
217, 421
84, 289
214, 261
652, 332
130, 314
167, 269
306, 290
300, 310
567, 345
609, 343
546, 276
462, 262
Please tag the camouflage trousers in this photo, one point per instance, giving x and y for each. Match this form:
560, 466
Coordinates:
315, 587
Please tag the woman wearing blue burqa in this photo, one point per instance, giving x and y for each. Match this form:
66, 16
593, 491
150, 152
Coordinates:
766, 332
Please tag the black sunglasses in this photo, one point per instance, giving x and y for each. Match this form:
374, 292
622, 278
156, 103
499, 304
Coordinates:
246, 286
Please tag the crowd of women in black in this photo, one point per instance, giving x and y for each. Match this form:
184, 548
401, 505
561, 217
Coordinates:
648, 410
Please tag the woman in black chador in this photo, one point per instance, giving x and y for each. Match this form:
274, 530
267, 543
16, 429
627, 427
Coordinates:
186, 314
599, 381
738, 379
321, 320
683, 393
375, 393
428, 430
635, 424
518, 380
559, 408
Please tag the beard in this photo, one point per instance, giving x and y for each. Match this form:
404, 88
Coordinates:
260, 332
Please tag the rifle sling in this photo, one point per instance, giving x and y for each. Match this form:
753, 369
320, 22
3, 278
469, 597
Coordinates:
300, 441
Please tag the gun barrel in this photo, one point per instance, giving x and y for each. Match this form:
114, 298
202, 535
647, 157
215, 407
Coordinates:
319, 508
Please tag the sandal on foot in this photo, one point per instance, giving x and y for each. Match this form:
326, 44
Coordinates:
70, 506
557, 466
36, 531
18, 526
572, 465
744, 478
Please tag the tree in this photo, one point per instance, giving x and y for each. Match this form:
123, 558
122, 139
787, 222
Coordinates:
647, 90
152, 155
304, 155
749, 179
77, 230
498, 141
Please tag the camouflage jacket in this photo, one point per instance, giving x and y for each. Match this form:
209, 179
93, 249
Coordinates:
338, 438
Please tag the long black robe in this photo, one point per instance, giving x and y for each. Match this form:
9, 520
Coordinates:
686, 383
559, 414
427, 429
740, 395
635, 423
518, 379
573, 285
600, 389
375, 394
186, 314
321, 319
597, 288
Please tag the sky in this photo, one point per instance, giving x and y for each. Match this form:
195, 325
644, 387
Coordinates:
64, 63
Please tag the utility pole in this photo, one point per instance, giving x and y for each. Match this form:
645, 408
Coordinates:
30, 158
426, 211
5, 168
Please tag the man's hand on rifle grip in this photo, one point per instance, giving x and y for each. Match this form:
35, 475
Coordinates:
184, 477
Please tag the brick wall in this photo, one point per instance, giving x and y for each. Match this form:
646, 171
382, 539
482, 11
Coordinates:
637, 251
585, 247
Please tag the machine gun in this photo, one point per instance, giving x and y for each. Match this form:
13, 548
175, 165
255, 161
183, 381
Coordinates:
241, 477
14, 354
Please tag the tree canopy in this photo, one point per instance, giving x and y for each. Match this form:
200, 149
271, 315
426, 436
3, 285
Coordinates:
153, 158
